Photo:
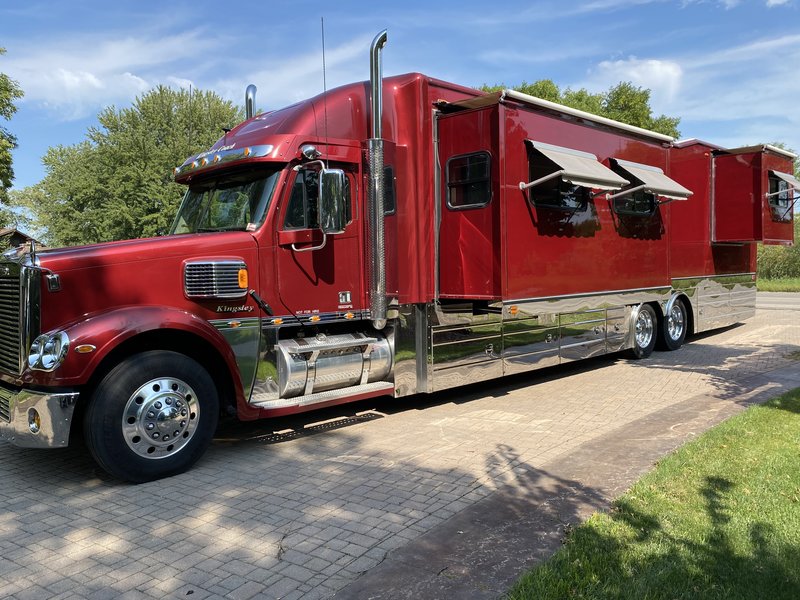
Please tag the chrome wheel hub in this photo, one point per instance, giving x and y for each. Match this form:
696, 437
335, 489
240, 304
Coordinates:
644, 329
160, 418
675, 323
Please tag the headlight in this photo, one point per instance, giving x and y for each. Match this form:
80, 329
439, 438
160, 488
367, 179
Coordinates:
48, 351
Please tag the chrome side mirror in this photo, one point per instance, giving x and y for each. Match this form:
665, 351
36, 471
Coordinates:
332, 217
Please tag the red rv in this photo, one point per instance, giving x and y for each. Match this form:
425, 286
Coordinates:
390, 237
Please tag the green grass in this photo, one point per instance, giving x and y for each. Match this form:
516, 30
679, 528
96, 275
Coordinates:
785, 284
719, 518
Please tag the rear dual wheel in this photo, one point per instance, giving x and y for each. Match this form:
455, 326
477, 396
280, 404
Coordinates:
645, 328
152, 416
674, 326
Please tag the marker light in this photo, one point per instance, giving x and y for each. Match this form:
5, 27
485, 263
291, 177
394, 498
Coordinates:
243, 278
314, 319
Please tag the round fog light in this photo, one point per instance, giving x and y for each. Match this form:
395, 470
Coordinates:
34, 421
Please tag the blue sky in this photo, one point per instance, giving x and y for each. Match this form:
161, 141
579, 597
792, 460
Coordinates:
728, 68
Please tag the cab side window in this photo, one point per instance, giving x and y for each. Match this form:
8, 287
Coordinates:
302, 210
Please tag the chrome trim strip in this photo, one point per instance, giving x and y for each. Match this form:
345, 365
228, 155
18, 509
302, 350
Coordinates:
507, 303
322, 397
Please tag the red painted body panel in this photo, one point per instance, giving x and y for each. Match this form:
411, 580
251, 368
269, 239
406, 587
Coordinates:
552, 253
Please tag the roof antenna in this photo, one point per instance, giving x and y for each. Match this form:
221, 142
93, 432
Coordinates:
324, 83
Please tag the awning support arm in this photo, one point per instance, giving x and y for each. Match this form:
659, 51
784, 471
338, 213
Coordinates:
524, 186
622, 193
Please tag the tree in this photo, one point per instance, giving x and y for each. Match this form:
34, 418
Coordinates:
118, 183
623, 102
9, 91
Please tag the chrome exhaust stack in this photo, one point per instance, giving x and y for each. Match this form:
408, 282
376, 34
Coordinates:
250, 101
375, 228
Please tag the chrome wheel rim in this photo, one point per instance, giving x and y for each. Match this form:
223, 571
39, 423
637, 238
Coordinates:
160, 418
675, 323
644, 329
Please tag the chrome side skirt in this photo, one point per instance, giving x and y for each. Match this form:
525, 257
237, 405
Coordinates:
438, 346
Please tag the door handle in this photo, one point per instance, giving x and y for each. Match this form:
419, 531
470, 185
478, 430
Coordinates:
310, 248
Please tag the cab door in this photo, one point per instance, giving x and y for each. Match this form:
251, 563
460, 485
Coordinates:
319, 275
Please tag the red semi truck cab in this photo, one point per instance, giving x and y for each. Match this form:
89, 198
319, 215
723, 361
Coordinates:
389, 237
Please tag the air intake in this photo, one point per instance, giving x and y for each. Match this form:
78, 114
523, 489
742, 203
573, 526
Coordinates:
217, 280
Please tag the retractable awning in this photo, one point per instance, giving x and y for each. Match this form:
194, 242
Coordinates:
790, 179
653, 180
577, 168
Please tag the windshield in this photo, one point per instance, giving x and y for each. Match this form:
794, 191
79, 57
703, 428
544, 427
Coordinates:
233, 202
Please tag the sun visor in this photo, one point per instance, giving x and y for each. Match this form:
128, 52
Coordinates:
653, 180
579, 168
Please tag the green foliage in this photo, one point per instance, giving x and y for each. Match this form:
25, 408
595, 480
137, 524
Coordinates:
623, 102
779, 262
9, 91
118, 183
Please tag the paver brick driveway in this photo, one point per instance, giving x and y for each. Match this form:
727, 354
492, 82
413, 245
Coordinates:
304, 512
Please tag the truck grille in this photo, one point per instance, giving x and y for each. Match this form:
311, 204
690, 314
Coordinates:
214, 279
5, 405
10, 310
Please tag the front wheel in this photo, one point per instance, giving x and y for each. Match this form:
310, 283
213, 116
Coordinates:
151, 416
644, 334
673, 327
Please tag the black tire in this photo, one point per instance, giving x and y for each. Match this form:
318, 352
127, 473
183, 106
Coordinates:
645, 331
156, 394
672, 332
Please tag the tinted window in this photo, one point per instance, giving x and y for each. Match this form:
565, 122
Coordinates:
781, 202
469, 183
637, 203
555, 193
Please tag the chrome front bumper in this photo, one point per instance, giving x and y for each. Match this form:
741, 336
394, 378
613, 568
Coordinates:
20, 426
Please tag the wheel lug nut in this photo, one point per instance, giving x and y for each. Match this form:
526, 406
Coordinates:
183, 412
155, 435
151, 414
183, 423
168, 401
158, 405
176, 433
150, 426
179, 404
165, 438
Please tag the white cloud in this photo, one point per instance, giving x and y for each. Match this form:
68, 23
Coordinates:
771, 3
74, 77
288, 79
662, 77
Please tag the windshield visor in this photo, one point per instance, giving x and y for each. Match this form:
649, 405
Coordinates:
234, 202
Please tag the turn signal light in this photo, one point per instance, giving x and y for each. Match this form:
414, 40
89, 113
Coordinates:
243, 279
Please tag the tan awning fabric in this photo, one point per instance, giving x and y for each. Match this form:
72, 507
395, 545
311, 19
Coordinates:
654, 180
790, 179
580, 168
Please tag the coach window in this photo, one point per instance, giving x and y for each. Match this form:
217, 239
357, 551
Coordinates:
639, 203
780, 198
469, 181
556, 193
